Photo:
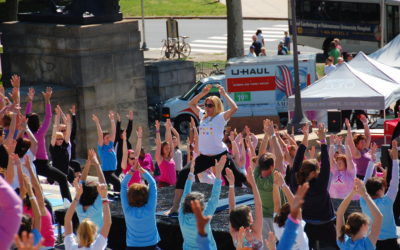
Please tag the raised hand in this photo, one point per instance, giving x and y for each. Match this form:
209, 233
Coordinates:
15, 81
298, 200
206, 89
269, 127
359, 187
111, 115
221, 90
347, 122
200, 218
130, 115
220, 164
321, 132
118, 117
47, 95
26, 242
250, 176
157, 125
95, 118
312, 152
78, 188
364, 119
373, 148
232, 136
103, 190
139, 132
305, 129
394, 153
31, 94
271, 241
72, 110
278, 179
123, 135
230, 176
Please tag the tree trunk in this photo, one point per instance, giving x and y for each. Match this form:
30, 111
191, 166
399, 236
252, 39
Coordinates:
12, 10
235, 28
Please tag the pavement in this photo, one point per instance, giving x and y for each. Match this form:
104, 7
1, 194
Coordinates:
273, 9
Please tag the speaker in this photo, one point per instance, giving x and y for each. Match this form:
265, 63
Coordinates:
334, 121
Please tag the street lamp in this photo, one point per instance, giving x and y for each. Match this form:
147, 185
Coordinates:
299, 119
144, 45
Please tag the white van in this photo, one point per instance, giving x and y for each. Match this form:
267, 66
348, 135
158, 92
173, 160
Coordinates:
259, 86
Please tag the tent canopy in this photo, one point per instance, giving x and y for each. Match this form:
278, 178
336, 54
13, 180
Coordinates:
389, 54
347, 88
372, 67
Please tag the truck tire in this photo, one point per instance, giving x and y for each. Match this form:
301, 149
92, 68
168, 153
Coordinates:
182, 124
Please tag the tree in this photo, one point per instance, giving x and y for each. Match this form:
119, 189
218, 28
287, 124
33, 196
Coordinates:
12, 10
235, 28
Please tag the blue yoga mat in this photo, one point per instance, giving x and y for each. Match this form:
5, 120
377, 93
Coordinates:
246, 199
56, 202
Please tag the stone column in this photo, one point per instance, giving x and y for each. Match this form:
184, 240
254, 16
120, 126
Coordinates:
102, 62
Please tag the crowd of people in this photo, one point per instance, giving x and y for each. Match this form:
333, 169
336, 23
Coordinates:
335, 56
257, 48
340, 197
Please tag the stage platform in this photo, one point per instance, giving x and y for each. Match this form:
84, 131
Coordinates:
168, 227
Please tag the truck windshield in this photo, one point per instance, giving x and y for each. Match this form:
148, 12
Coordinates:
192, 91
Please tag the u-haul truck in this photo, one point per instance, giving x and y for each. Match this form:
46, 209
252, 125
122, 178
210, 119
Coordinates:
260, 87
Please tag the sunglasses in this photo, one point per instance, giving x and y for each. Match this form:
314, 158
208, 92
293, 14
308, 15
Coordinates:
209, 105
59, 139
131, 158
62, 131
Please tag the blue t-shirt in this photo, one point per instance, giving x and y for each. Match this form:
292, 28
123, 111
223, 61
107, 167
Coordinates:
93, 212
361, 244
108, 157
36, 236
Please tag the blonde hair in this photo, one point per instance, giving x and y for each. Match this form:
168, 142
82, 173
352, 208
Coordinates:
59, 135
87, 231
218, 106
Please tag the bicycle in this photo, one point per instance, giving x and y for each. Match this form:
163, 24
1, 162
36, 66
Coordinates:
173, 47
217, 71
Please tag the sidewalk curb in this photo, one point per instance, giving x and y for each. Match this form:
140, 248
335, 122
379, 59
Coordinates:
208, 17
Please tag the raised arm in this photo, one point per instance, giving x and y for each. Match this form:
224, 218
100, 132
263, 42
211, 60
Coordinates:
168, 137
124, 161
235, 151
364, 120
280, 182
275, 194
139, 133
231, 196
130, 124
176, 134
232, 105
196, 99
13, 125
394, 182
99, 130
73, 123
68, 129
31, 95
258, 217
23, 128
264, 144
340, 221
35, 207
112, 128
216, 190
88, 163
276, 147
349, 139
71, 210
55, 128
102, 189
37, 189
298, 159
325, 166
48, 112
96, 163
158, 144
376, 214
118, 129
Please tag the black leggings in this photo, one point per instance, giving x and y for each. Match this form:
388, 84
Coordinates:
203, 162
113, 179
321, 235
43, 168
387, 244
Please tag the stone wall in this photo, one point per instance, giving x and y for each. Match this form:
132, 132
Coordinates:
102, 63
166, 79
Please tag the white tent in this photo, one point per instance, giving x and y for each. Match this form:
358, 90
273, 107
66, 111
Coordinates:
372, 67
389, 54
347, 88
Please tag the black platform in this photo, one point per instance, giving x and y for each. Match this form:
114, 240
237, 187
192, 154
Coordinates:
168, 228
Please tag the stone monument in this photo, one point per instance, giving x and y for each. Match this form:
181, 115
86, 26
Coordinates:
101, 64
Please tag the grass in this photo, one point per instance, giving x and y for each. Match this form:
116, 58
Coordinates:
173, 8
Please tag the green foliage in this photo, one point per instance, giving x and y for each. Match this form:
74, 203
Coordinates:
173, 8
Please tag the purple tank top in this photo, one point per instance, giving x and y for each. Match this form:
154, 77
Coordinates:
362, 162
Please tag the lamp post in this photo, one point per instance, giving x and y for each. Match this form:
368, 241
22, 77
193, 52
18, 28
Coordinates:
144, 45
299, 119
383, 24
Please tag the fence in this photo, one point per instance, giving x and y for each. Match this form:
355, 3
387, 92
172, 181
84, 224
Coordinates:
204, 69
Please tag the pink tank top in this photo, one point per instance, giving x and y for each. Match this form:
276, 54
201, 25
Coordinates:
135, 177
168, 172
46, 228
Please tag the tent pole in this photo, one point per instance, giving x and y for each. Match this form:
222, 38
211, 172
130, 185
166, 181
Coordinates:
384, 119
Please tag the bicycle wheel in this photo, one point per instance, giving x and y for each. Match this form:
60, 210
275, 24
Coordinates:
165, 53
185, 50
